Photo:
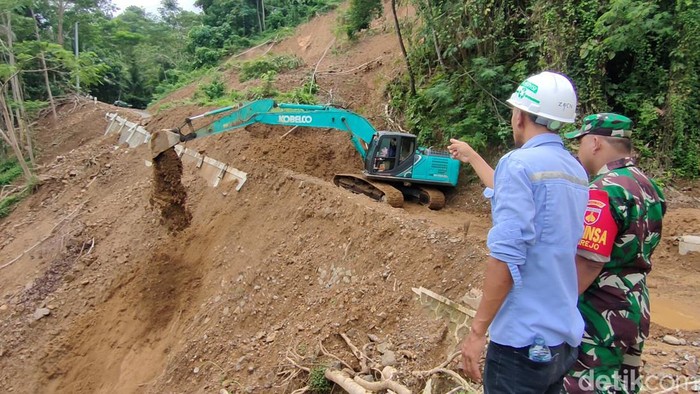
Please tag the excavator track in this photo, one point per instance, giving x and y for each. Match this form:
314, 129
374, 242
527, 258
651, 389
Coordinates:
433, 198
378, 191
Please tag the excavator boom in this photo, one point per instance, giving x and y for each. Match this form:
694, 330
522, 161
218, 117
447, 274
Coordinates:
268, 112
392, 161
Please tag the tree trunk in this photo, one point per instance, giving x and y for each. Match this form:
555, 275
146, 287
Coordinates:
10, 136
60, 11
257, 11
46, 71
262, 7
17, 96
403, 48
438, 51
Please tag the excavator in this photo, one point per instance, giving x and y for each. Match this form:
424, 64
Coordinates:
394, 166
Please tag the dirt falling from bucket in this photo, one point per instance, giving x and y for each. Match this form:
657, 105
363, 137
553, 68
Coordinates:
168, 194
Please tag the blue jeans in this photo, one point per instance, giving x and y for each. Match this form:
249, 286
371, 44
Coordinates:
509, 370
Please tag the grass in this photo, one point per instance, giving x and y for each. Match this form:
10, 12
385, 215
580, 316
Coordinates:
9, 171
7, 203
277, 63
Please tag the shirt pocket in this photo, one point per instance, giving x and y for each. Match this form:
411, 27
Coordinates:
558, 219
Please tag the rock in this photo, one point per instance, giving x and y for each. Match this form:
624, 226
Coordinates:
671, 340
373, 338
690, 369
388, 359
367, 378
196, 370
383, 347
41, 312
3, 307
271, 337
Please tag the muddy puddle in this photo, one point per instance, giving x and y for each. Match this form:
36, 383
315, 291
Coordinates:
168, 194
674, 314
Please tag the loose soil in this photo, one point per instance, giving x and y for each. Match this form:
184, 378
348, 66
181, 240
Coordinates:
110, 294
169, 195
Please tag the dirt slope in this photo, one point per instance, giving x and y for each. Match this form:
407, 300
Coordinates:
104, 299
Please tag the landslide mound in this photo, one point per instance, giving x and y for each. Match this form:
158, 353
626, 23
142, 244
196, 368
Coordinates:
286, 264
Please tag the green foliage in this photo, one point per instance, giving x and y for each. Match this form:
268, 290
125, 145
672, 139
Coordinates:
360, 14
305, 94
635, 57
9, 171
258, 67
318, 384
34, 106
177, 79
213, 90
229, 26
266, 89
7, 203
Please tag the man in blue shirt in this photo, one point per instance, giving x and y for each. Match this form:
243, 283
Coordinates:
539, 194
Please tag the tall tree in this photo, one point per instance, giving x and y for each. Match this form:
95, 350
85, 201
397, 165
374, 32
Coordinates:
45, 69
412, 81
14, 130
20, 117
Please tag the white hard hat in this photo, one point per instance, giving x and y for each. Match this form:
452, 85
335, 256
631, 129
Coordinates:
548, 95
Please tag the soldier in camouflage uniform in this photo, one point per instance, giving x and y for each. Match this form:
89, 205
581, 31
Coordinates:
623, 226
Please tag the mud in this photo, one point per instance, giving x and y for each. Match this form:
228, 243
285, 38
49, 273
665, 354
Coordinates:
168, 194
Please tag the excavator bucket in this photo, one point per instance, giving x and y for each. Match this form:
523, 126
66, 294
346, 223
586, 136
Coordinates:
163, 140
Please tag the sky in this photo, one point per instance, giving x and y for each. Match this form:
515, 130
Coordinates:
151, 6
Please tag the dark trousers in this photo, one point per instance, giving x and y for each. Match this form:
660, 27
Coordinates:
509, 370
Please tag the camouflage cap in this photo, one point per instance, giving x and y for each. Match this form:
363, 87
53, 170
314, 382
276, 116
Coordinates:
606, 124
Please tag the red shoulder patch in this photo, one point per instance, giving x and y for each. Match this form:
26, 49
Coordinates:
600, 228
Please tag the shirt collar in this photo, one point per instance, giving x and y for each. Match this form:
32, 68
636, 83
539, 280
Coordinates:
615, 164
541, 139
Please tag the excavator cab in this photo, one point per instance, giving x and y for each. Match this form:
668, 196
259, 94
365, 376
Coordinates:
390, 153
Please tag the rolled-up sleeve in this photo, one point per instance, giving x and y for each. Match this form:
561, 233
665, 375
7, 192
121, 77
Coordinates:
513, 207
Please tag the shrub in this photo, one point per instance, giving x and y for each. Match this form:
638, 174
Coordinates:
360, 14
318, 384
257, 68
214, 90
9, 171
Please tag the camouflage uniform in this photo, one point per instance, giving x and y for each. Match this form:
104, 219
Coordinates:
615, 307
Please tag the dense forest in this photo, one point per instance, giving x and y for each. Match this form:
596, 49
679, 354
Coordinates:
637, 57
462, 60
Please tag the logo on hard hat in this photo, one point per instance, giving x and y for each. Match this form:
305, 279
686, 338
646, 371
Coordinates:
522, 91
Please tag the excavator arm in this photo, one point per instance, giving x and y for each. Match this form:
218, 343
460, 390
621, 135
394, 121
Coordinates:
271, 113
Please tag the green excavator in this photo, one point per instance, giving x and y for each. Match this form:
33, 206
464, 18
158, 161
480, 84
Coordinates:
394, 166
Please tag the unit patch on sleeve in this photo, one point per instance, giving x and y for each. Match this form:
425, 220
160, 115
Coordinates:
600, 228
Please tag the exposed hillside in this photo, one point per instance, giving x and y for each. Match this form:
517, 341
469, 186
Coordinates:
103, 299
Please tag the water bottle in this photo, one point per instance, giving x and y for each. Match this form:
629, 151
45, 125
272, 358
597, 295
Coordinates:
539, 351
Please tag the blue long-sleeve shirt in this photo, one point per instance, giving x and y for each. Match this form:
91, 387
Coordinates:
537, 204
